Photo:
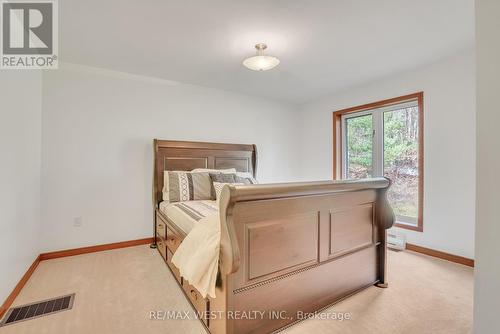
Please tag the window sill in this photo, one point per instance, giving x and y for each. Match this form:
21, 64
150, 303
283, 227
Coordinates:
418, 228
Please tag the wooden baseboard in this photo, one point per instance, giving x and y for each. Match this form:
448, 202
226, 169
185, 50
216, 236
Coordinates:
93, 249
442, 255
10, 299
69, 252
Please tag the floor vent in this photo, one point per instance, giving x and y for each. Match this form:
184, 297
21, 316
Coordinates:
38, 309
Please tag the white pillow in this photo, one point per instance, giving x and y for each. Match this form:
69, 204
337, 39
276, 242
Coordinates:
219, 185
207, 170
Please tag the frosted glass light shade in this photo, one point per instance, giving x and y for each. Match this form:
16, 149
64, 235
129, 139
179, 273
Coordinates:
261, 63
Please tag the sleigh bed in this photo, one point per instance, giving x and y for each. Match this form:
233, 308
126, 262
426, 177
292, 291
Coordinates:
285, 247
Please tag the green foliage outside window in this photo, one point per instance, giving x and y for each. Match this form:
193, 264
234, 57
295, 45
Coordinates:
400, 155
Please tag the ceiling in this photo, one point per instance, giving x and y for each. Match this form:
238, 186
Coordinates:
324, 46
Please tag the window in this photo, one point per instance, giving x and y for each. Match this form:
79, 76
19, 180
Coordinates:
385, 139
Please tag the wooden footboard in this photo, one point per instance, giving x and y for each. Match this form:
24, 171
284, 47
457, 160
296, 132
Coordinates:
299, 247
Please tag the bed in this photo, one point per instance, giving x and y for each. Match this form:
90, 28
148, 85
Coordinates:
285, 248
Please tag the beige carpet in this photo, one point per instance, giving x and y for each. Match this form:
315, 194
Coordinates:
116, 290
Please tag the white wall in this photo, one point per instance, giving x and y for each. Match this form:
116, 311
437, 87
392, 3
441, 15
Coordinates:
487, 271
98, 128
20, 147
449, 162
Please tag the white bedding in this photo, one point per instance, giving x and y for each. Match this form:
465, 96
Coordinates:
197, 257
186, 215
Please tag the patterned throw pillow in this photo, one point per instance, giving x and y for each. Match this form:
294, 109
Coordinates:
234, 178
245, 178
218, 188
186, 186
221, 178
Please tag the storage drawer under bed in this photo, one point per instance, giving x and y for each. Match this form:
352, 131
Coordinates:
200, 304
173, 268
161, 228
173, 240
162, 246
168, 242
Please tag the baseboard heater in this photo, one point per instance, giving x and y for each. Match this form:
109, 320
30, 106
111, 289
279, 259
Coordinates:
396, 241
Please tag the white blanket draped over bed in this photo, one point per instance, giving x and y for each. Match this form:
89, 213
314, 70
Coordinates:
197, 257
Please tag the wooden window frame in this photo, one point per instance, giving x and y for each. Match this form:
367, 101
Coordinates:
338, 142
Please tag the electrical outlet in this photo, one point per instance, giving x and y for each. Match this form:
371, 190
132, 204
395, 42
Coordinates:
77, 221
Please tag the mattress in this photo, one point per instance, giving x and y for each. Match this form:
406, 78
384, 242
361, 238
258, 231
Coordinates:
185, 215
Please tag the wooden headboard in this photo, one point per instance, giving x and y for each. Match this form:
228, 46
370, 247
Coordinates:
188, 155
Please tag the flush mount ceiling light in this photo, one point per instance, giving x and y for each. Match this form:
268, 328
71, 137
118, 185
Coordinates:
261, 62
